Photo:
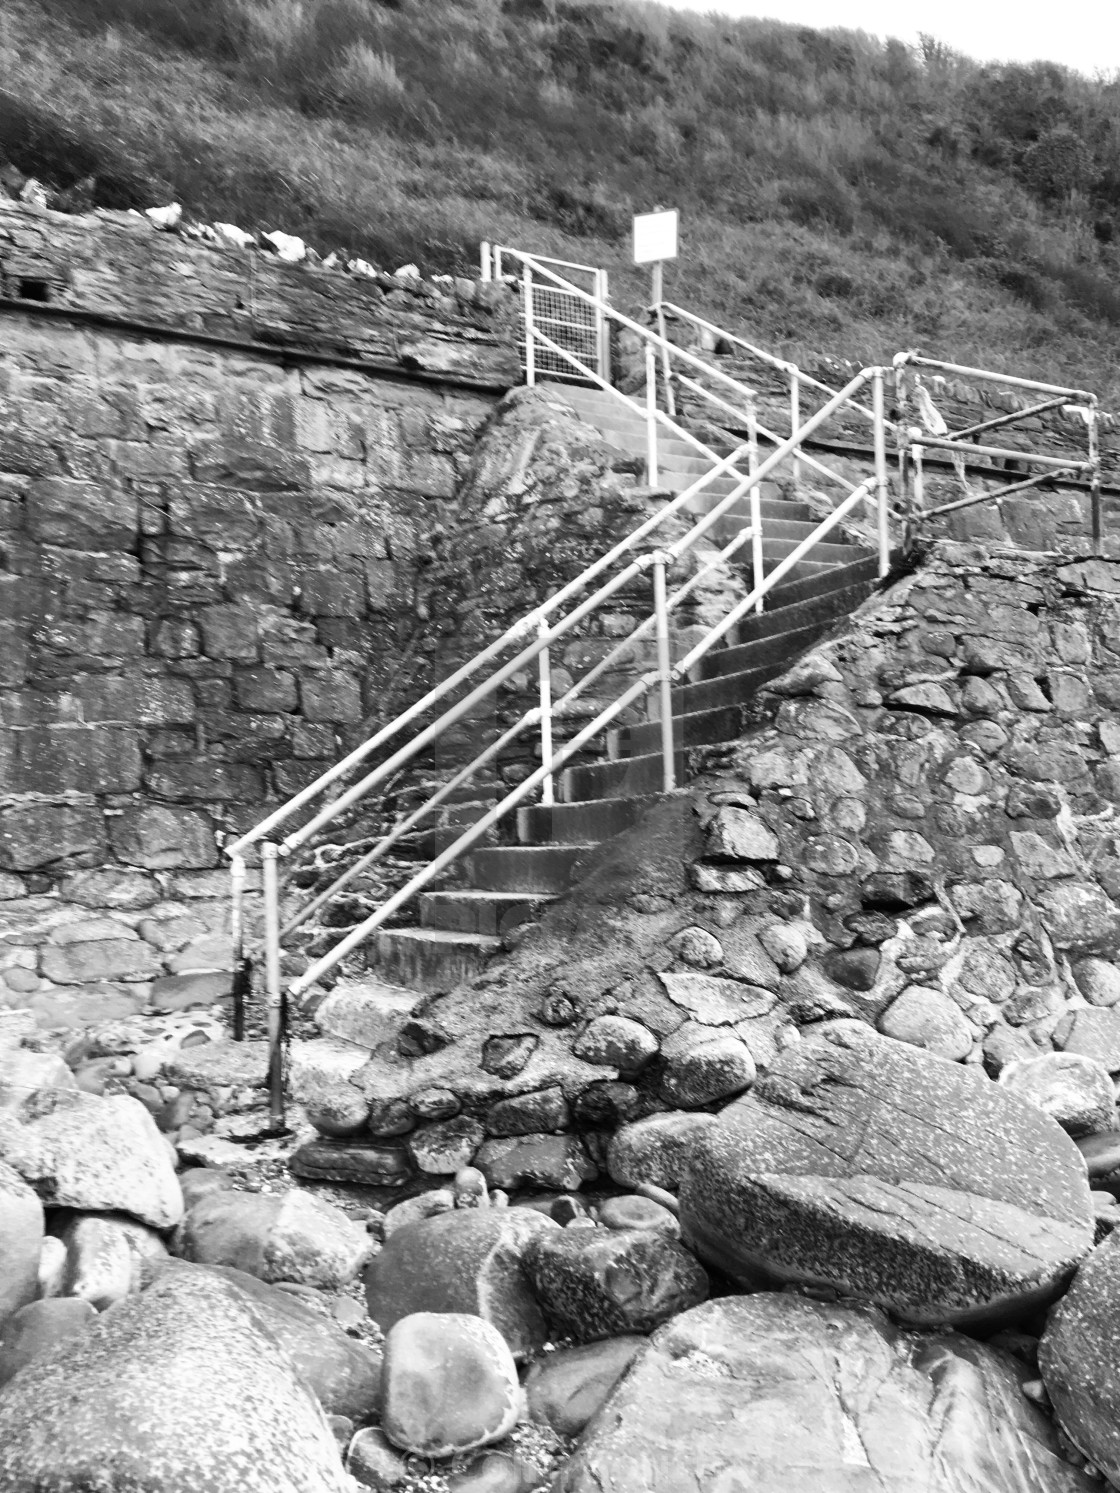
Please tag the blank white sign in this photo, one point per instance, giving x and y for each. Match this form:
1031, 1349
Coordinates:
655, 237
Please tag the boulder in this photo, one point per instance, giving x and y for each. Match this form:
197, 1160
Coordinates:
1079, 1359
708, 1071
21, 1242
291, 1237
101, 1156
633, 1211
465, 1262
596, 1283
926, 1018
1073, 1090
106, 1255
31, 1081
375, 1463
320, 1081
866, 1165
343, 1374
773, 1393
179, 1387
558, 1161
566, 1388
449, 1384
1092, 1033
37, 1327
655, 1151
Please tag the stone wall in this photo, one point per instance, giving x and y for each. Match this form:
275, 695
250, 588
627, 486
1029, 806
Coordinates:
219, 479
920, 833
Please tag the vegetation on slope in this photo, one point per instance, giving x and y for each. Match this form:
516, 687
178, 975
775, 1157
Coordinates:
838, 193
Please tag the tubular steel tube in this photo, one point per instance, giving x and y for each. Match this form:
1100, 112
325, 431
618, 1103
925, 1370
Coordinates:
651, 417
881, 487
664, 673
544, 674
275, 994
992, 497
943, 443
530, 335
795, 422
237, 872
1001, 420
1095, 478
919, 481
996, 378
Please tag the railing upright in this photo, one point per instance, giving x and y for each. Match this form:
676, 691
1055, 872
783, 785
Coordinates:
602, 291
544, 675
237, 873
530, 327
664, 672
882, 488
754, 497
275, 995
652, 473
795, 421
1093, 422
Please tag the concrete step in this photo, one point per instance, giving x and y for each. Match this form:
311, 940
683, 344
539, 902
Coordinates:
698, 728
771, 504
778, 547
455, 819
526, 869
631, 777
852, 571
580, 823
734, 689
808, 620
433, 960
492, 913
364, 1011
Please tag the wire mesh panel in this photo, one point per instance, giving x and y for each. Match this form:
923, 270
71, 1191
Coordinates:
572, 324
577, 323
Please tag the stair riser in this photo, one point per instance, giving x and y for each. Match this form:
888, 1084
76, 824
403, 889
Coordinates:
701, 728
430, 967
728, 689
779, 650
580, 822
627, 779
812, 616
494, 919
545, 869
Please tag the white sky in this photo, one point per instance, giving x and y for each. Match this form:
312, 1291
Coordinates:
1084, 35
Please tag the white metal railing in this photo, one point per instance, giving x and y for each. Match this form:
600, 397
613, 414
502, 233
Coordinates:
962, 445
530, 642
578, 324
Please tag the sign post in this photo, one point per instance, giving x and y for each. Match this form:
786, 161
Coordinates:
655, 241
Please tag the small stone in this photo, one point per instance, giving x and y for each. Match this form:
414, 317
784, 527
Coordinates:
617, 1042
528, 1114
735, 834
449, 1383
558, 1161
374, 1462
926, 1018
434, 1104
637, 1212
713, 1070
470, 1190
1075, 1091
697, 947
1098, 980
786, 945
655, 1150
369, 1164
444, 1148
506, 1057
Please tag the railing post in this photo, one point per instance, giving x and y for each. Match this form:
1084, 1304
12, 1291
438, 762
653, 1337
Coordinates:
882, 488
919, 482
795, 420
1095, 479
545, 677
754, 497
275, 996
603, 325
664, 672
651, 416
487, 269
237, 871
530, 328
666, 364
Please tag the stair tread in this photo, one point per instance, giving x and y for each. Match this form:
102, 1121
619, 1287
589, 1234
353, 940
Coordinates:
479, 894
443, 936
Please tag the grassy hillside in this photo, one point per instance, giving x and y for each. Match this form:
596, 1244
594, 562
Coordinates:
837, 193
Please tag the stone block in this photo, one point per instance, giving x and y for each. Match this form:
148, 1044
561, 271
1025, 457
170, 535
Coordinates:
326, 593
99, 959
230, 632
98, 638
161, 838
330, 695
265, 689
138, 699
39, 834
66, 758
81, 515
206, 778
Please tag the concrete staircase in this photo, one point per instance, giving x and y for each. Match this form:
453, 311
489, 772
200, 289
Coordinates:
500, 885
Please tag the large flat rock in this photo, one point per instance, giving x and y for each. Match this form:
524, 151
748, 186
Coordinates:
893, 1176
774, 1393
1079, 1357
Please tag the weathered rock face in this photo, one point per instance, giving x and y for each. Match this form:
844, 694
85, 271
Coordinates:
213, 561
467, 1262
1079, 1357
862, 1164
179, 1387
100, 1155
774, 1392
21, 1236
